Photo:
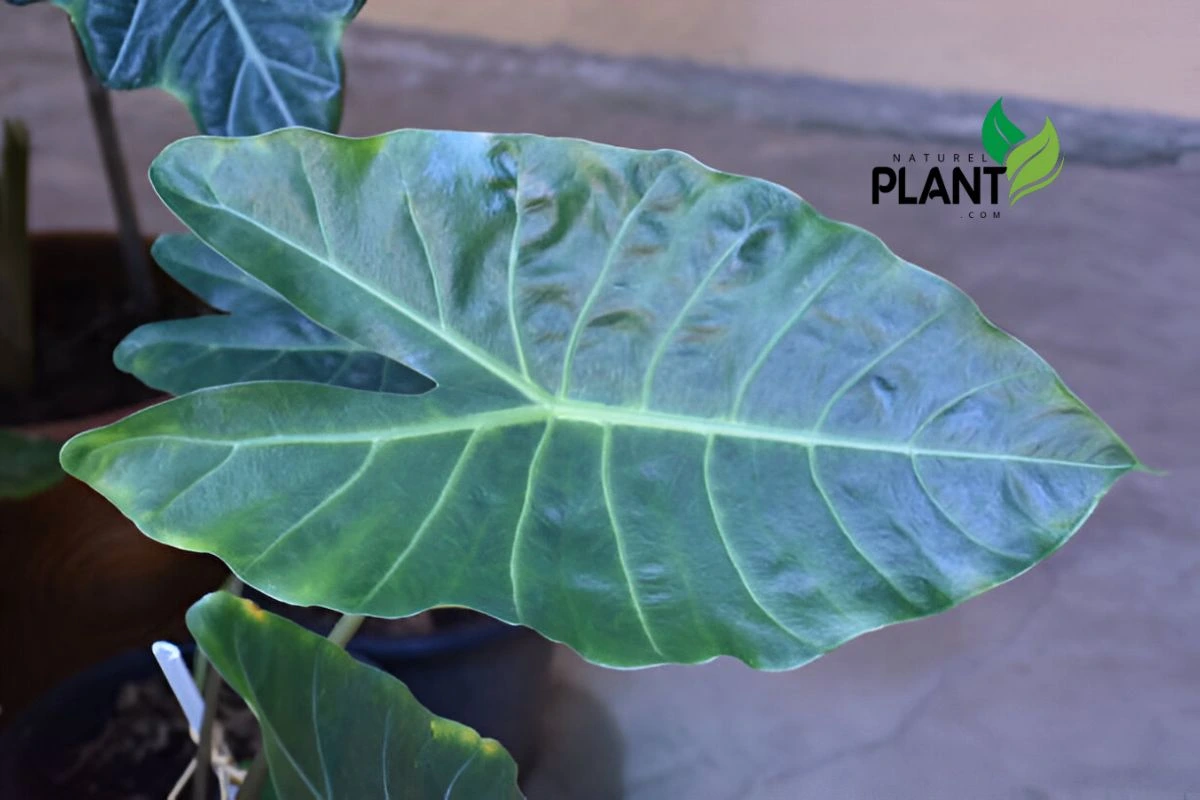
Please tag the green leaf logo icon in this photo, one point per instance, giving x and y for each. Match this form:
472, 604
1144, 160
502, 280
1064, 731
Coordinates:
999, 133
1033, 164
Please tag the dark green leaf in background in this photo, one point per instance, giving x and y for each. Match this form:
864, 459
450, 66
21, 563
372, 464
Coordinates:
241, 66
335, 728
28, 465
679, 413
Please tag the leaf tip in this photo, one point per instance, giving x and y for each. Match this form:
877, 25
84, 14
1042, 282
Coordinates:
75, 454
1140, 466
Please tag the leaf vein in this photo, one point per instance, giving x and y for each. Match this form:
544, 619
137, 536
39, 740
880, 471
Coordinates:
776, 337
597, 414
606, 489
264, 719
466, 348
233, 448
459, 774
385, 754
954, 523
609, 258
130, 34
526, 505
346, 484
933, 415
295, 71
737, 567
448, 488
316, 723
874, 362
514, 254
433, 275
665, 341
255, 56
841, 526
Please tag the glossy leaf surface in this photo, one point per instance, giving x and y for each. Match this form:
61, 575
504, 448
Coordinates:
27, 465
679, 413
261, 338
336, 728
240, 66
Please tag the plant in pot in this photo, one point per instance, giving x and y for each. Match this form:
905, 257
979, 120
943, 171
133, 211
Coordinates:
66, 299
674, 414
240, 71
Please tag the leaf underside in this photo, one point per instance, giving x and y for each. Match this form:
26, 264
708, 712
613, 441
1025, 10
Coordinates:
261, 338
333, 727
679, 414
240, 66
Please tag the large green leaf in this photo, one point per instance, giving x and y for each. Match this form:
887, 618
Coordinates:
680, 414
262, 338
28, 465
333, 727
240, 66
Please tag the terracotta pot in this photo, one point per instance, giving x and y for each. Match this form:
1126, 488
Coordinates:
78, 582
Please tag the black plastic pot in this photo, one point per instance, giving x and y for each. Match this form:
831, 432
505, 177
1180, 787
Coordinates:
488, 675
74, 712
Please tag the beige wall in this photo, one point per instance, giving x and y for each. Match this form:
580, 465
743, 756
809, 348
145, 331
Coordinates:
1141, 55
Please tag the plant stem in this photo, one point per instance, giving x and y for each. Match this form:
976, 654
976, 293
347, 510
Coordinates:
341, 635
345, 629
16, 280
212, 694
133, 249
204, 675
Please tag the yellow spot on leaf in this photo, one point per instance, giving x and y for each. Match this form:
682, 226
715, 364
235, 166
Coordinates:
252, 608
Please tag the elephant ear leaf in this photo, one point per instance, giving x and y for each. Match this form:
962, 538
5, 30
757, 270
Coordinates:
261, 338
240, 66
27, 465
679, 414
335, 728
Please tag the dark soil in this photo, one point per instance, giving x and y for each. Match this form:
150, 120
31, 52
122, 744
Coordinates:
145, 747
81, 313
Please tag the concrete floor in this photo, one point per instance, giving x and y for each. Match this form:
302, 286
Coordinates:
1079, 680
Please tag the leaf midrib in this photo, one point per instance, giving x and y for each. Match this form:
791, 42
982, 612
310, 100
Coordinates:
610, 417
545, 407
466, 348
255, 56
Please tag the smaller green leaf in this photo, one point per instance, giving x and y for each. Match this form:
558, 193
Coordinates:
999, 132
27, 465
240, 66
261, 338
334, 727
1034, 163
